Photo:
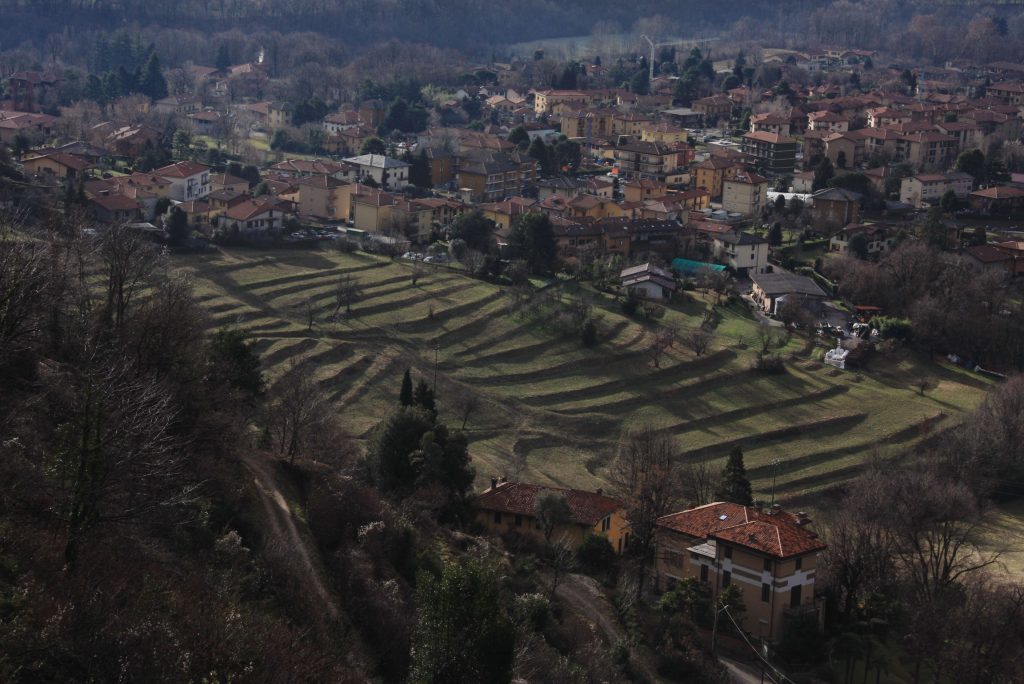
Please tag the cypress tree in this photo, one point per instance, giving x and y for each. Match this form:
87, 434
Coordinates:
424, 397
734, 486
405, 396
154, 85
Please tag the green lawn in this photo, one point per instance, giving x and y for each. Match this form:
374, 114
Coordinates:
553, 410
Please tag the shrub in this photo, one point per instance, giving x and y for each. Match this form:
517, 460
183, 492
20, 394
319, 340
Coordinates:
631, 303
588, 335
891, 328
596, 556
770, 363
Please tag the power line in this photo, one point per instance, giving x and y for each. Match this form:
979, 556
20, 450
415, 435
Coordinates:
753, 648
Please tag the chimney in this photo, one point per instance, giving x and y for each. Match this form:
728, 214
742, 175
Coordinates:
494, 483
600, 491
802, 519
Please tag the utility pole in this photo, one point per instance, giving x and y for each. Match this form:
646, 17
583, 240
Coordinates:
650, 62
775, 471
436, 347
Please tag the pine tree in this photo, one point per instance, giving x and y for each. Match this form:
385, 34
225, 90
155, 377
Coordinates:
223, 58
734, 486
424, 397
154, 85
405, 396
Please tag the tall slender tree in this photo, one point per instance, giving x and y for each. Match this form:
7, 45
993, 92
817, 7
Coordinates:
405, 396
735, 487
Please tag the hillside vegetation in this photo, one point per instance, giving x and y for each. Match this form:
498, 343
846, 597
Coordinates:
544, 408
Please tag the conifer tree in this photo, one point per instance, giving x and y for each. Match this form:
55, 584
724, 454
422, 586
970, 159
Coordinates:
154, 85
424, 397
735, 487
405, 396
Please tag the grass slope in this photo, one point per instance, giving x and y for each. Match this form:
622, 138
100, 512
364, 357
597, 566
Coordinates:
553, 410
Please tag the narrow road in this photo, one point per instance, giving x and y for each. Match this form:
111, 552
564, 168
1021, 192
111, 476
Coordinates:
283, 530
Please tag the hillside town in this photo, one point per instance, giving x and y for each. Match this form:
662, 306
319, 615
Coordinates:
744, 228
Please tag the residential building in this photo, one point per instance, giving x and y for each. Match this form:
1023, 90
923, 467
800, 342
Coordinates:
644, 189
827, 121
769, 554
115, 208
834, 208
545, 100
745, 253
649, 281
711, 173
375, 211
664, 133
254, 217
493, 176
56, 165
987, 259
178, 104
746, 193
771, 289
225, 181
303, 168
1014, 248
30, 90
928, 149
774, 153
926, 189
879, 238
714, 108
189, 180
508, 508
998, 200
271, 114
638, 158
769, 123
388, 173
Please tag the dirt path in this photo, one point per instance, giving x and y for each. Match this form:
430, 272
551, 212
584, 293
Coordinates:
283, 530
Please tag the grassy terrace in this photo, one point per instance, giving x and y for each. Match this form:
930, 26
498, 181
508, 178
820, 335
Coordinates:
558, 407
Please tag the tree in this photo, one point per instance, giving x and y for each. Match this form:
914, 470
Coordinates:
392, 444
129, 261
116, 457
979, 236
949, 202
640, 83
474, 229
972, 163
223, 60
419, 171
542, 153
780, 204
234, 362
841, 159
663, 340
858, 245
153, 85
551, 510
647, 476
568, 79
463, 633
588, 333
466, 403
443, 461
373, 145
423, 397
519, 137
698, 340
775, 234
734, 485
297, 413
562, 559
532, 239
405, 395
934, 228
823, 173
177, 227
347, 292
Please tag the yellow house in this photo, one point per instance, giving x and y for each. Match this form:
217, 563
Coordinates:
592, 206
662, 133
374, 211
508, 507
323, 197
711, 173
502, 214
769, 554
56, 165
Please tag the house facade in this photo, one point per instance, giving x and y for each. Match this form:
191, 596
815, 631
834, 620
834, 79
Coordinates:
774, 153
189, 180
508, 507
388, 173
746, 193
770, 555
927, 189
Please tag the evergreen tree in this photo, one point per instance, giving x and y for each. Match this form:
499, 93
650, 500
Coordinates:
775, 234
568, 79
423, 397
462, 633
154, 85
177, 227
532, 239
734, 486
823, 173
94, 90
373, 145
405, 395
419, 171
519, 137
392, 444
223, 58
640, 83
234, 362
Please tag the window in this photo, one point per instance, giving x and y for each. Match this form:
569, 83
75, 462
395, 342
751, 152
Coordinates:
799, 563
519, 521
728, 552
766, 592
768, 564
726, 578
606, 524
703, 574
794, 596
497, 518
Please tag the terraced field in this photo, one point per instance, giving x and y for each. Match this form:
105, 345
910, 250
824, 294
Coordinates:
549, 409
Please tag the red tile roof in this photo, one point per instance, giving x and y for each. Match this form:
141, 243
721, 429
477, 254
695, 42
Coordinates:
248, 209
999, 192
183, 169
588, 508
778, 533
987, 254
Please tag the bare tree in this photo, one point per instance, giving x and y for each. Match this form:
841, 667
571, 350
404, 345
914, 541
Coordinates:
698, 340
115, 456
346, 292
416, 271
551, 510
466, 403
922, 384
129, 259
765, 336
699, 482
663, 340
647, 476
308, 309
562, 559
296, 412
24, 281
474, 262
